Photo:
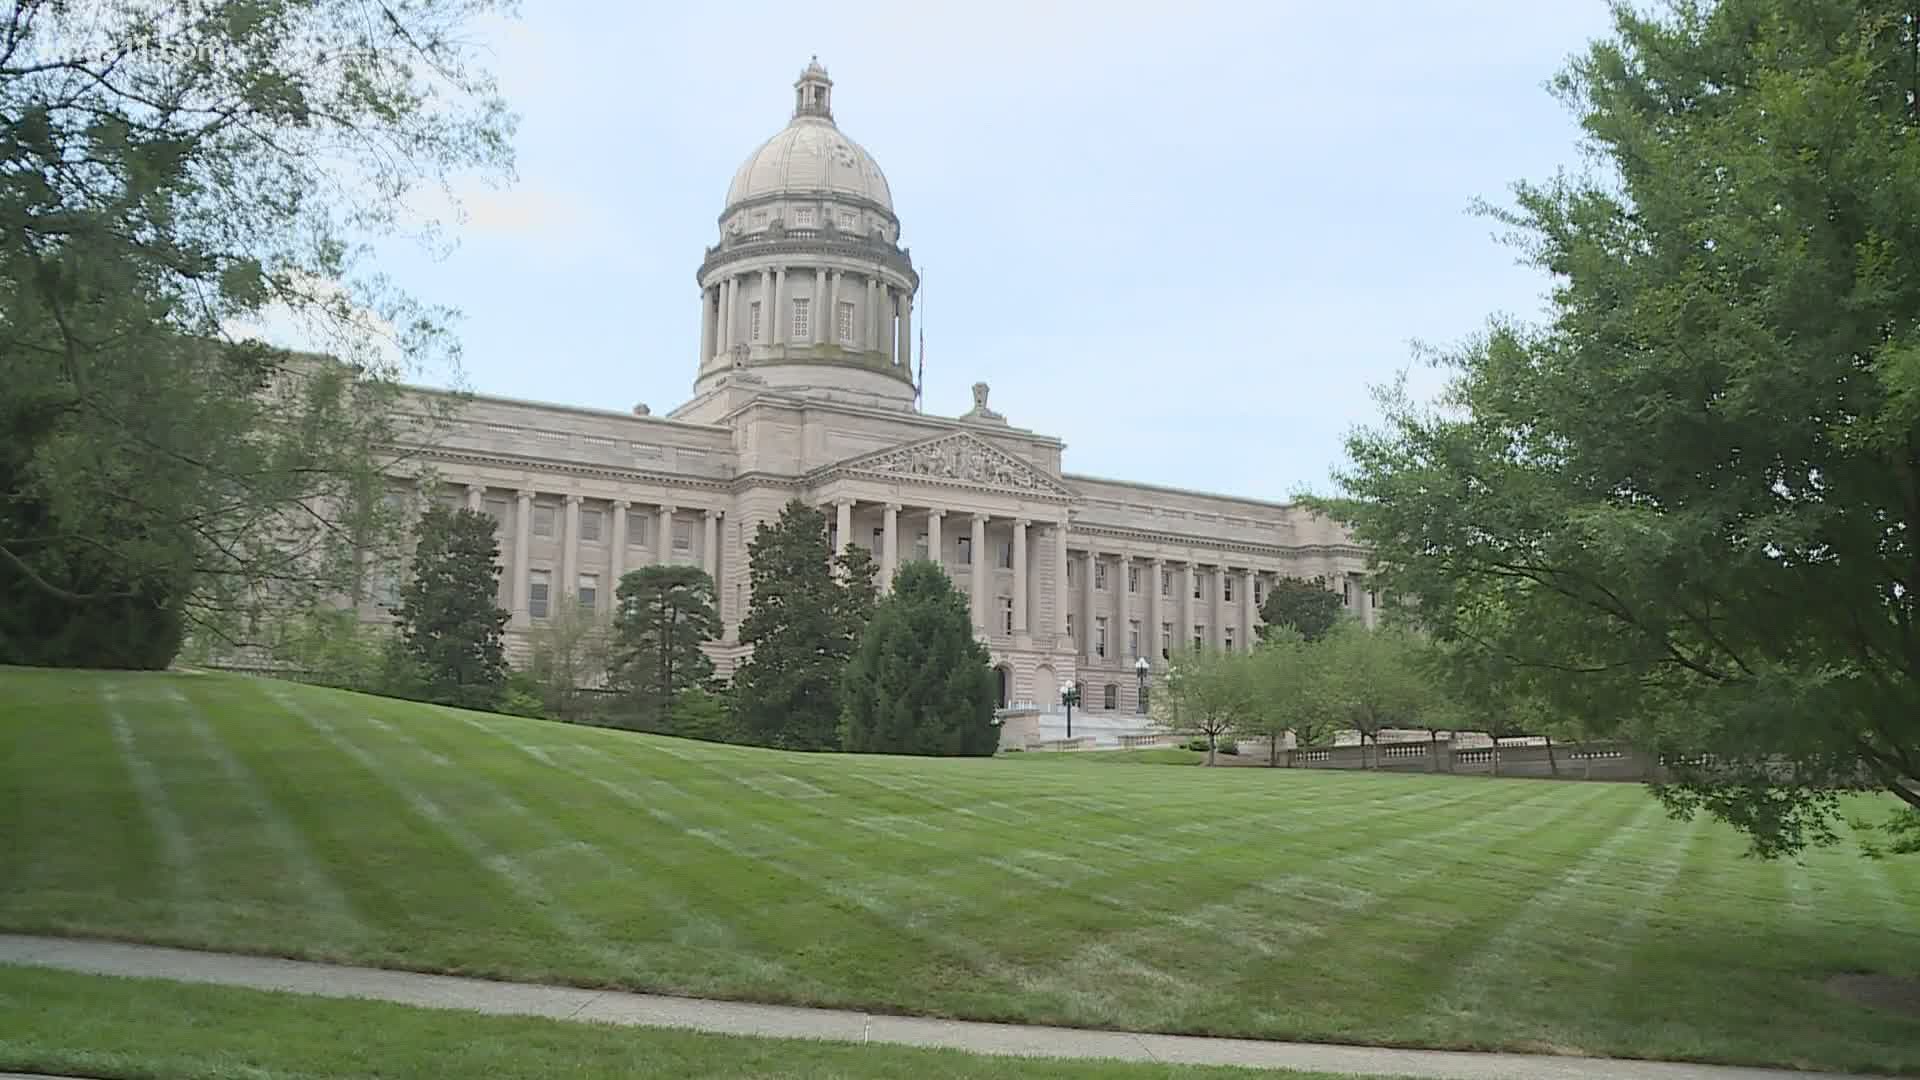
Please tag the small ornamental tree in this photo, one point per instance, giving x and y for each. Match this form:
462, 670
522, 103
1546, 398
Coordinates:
918, 681
1289, 682
1210, 691
665, 614
1305, 604
572, 651
1377, 679
450, 626
807, 610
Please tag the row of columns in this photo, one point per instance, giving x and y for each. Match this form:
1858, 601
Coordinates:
889, 558
1123, 614
883, 305
522, 566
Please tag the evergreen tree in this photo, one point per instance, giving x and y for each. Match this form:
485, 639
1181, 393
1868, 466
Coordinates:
666, 614
807, 611
1305, 604
919, 682
450, 626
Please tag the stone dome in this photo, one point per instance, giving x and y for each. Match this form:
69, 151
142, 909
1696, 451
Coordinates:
810, 156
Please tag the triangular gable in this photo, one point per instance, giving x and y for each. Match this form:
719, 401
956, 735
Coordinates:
956, 458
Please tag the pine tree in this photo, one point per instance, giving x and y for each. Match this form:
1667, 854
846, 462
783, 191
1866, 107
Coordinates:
666, 614
919, 682
449, 624
807, 611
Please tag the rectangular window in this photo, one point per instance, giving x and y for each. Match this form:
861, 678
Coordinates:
1259, 589
497, 510
1100, 635
1133, 578
682, 537
590, 525
920, 546
1199, 587
963, 550
1006, 613
753, 321
1112, 697
1070, 628
1166, 641
803, 217
588, 591
1166, 583
1199, 637
879, 537
1226, 586
1133, 637
759, 217
1346, 592
802, 321
846, 222
637, 528
1072, 575
1099, 575
1006, 554
844, 326
542, 520
537, 593
1229, 638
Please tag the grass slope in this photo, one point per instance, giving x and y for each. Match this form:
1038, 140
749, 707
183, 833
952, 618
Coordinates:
95, 1026
236, 813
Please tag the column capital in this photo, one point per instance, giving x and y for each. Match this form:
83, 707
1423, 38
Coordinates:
574, 500
622, 504
982, 519
894, 506
480, 488
1159, 560
712, 515
1023, 522
935, 512
526, 493
848, 503
669, 508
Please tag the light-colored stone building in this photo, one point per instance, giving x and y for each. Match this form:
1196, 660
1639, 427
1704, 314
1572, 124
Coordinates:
804, 389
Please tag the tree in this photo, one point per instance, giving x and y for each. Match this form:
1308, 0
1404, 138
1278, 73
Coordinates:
177, 176
1305, 604
1689, 504
571, 651
1375, 680
1210, 691
449, 623
918, 681
666, 615
807, 610
1289, 689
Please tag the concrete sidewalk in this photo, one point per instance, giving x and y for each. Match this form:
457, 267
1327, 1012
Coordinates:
739, 1018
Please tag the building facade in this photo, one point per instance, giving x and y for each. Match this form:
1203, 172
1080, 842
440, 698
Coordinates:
803, 389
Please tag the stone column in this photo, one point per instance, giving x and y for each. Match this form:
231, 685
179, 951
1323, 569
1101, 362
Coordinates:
476, 497
1062, 596
833, 307
822, 308
570, 549
725, 313
707, 319
617, 557
1087, 559
522, 530
766, 306
934, 538
663, 540
782, 319
1156, 612
978, 584
1122, 611
1020, 576
870, 317
710, 549
904, 310
843, 525
889, 546
1246, 610
1183, 634
1216, 614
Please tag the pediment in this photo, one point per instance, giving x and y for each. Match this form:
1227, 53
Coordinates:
958, 458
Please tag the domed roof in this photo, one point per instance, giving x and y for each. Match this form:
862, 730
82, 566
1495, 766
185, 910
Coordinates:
810, 155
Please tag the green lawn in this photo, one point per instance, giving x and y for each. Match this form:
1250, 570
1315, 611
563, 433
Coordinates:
1160, 755
1464, 912
96, 1026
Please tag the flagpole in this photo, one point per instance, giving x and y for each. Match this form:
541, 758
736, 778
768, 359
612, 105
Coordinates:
920, 380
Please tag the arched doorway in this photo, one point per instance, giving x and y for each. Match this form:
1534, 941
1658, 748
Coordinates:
1003, 685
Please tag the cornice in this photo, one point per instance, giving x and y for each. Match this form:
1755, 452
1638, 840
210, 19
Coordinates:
821, 198
1243, 547
567, 468
886, 255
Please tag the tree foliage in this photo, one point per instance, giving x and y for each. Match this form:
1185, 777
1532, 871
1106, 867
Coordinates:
1377, 679
1289, 684
173, 177
1685, 509
666, 616
1304, 604
1211, 691
807, 610
450, 625
918, 681
572, 651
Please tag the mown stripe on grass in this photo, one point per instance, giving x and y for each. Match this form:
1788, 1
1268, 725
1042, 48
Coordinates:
185, 880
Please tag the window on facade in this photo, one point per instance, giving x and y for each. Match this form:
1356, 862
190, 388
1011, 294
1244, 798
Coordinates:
920, 546
843, 326
537, 593
803, 217
587, 591
637, 528
1006, 614
759, 218
1199, 587
497, 510
1112, 697
1166, 641
387, 590
963, 550
1072, 575
1346, 593
682, 537
1228, 632
1133, 579
542, 520
1226, 587
590, 525
1133, 637
1373, 598
1099, 574
802, 321
1199, 637
879, 537
753, 320
1166, 583
1100, 635
846, 221
1070, 630
1259, 590
1006, 554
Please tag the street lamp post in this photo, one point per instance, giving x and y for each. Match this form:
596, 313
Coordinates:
1069, 696
1144, 672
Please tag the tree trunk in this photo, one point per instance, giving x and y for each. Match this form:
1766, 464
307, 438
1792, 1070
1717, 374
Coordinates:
1553, 766
1209, 747
1496, 755
1273, 750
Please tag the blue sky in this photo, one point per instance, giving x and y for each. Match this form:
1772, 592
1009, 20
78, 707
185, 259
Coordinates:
1185, 239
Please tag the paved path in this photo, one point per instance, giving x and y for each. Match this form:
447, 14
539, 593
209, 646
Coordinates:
739, 1018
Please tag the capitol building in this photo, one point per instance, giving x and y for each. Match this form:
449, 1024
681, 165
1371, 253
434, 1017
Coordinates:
803, 388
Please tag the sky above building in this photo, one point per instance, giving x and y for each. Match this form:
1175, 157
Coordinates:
1187, 240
